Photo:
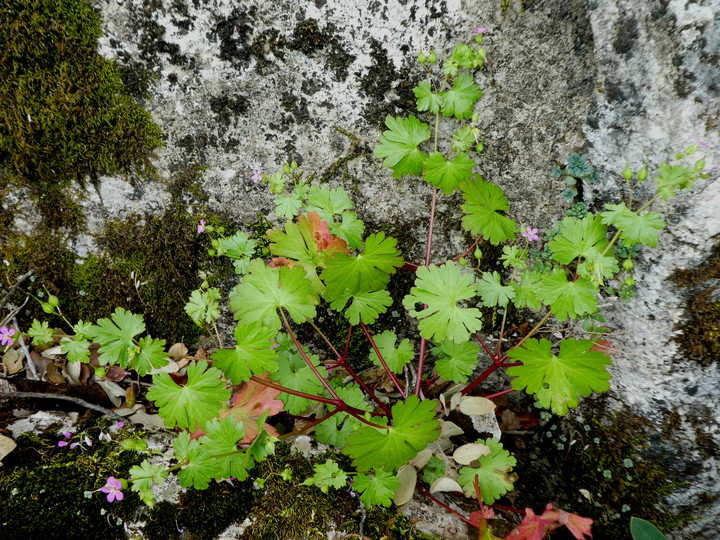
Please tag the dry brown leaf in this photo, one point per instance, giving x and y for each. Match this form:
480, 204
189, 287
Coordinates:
181, 349
476, 406
445, 484
467, 453
13, 361
7, 445
408, 479
52, 374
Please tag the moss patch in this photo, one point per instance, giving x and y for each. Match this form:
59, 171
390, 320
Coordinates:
42, 488
66, 114
598, 469
147, 264
700, 338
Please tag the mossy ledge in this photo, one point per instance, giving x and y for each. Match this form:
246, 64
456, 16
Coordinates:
65, 114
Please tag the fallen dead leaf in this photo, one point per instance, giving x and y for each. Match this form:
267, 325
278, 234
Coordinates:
7, 445
13, 361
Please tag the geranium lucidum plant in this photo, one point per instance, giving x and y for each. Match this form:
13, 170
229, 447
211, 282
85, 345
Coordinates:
320, 253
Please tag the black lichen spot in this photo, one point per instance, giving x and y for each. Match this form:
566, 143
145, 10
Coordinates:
234, 34
626, 37
309, 39
383, 80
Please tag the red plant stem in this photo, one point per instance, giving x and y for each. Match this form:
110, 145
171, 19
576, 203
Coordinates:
480, 379
341, 405
382, 360
347, 342
428, 251
492, 355
445, 506
307, 359
468, 250
508, 509
297, 393
498, 394
326, 340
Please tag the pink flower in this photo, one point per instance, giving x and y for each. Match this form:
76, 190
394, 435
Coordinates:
703, 144
531, 234
256, 176
6, 335
112, 488
120, 425
479, 30
201, 227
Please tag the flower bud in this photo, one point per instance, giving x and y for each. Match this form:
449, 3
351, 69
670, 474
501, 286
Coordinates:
433, 57
627, 172
47, 307
462, 261
629, 281
642, 174
422, 58
294, 165
478, 254
628, 264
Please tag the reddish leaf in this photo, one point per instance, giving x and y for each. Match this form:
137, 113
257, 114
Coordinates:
535, 527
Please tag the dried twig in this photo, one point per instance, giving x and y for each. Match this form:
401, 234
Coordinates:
77, 401
17, 283
28, 358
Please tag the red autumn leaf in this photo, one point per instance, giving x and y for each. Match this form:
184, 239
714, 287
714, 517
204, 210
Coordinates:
250, 403
578, 526
535, 527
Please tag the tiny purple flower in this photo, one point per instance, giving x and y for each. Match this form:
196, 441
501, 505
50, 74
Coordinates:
275, 344
67, 434
479, 30
120, 425
703, 144
201, 227
531, 234
74, 445
62, 444
112, 488
6, 335
256, 176
88, 441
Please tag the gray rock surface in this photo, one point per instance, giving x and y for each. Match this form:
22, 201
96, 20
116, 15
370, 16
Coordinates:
252, 84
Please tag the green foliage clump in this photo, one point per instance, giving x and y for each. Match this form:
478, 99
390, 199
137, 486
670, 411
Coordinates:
65, 113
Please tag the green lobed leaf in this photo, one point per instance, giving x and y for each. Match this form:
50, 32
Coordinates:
526, 291
633, 227
567, 299
253, 353
395, 357
151, 356
447, 175
492, 471
414, 427
559, 381
673, 177
328, 201
77, 350
239, 247
399, 145
365, 306
376, 489
192, 405
327, 475
40, 333
295, 374
348, 275
492, 291
427, 100
483, 201
585, 237
143, 477
116, 336
460, 100
288, 206
350, 229
464, 138
265, 290
442, 289
203, 306
456, 361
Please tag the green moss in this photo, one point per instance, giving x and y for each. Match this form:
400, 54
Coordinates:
600, 469
66, 115
700, 338
42, 488
146, 264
